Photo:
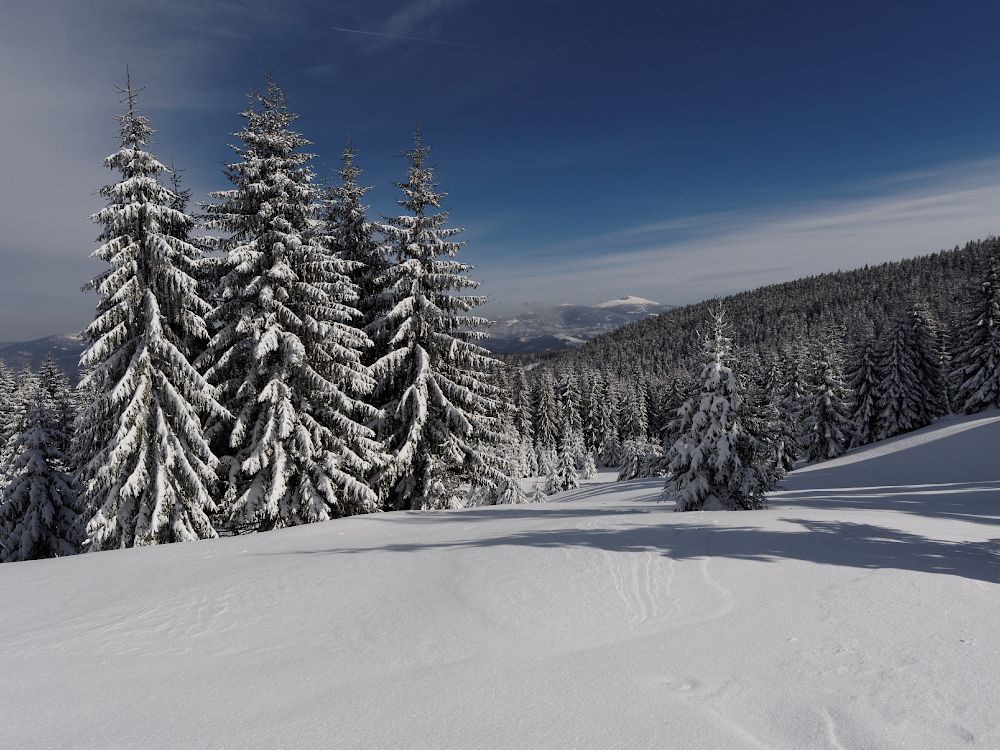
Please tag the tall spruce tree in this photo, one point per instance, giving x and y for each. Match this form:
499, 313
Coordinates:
441, 418
864, 380
522, 420
906, 401
570, 409
286, 354
143, 459
716, 462
929, 355
779, 431
826, 428
546, 420
976, 366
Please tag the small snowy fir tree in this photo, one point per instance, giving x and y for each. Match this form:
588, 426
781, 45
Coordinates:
716, 463
40, 506
630, 459
441, 422
976, 366
563, 475
641, 458
144, 461
285, 355
826, 428
611, 451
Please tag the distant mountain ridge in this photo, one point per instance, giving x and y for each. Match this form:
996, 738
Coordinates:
66, 349
553, 328
566, 326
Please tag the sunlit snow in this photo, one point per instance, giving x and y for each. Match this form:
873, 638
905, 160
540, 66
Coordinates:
860, 611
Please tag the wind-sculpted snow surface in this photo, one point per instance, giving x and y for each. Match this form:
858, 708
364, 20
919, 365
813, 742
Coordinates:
858, 612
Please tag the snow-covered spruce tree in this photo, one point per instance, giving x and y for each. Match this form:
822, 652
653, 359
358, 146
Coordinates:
285, 353
900, 405
8, 388
634, 415
144, 462
641, 458
56, 389
611, 451
594, 428
793, 383
976, 366
929, 357
778, 431
563, 475
352, 238
522, 417
569, 410
675, 396
514, 456
40, 505
19, 398
546, 421
630, 459
441, 422
826, 428
716, 463
864, 380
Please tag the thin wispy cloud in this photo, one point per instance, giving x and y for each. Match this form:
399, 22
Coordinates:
694, 258
410, 38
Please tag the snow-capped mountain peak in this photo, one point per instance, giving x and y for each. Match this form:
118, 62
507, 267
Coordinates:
629, 302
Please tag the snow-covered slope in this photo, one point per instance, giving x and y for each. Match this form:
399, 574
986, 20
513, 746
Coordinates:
566, 326
859, 612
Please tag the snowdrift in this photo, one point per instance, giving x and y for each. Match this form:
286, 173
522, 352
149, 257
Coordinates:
859, 612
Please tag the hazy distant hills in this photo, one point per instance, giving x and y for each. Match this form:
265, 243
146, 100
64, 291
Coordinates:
562, 327
566, 326
66, 349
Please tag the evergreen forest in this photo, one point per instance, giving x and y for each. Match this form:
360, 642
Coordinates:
275, 356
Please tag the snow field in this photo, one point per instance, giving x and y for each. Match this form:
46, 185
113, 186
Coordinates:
858, 612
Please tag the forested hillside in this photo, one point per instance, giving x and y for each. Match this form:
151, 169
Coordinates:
311, 364
701, 395
772, 318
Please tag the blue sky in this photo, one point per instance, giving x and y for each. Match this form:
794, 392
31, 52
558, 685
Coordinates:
674, 150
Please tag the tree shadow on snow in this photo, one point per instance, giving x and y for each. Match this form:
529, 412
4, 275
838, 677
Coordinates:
842, 543
975, 502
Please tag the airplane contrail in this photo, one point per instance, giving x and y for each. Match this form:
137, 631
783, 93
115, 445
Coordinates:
410, 38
